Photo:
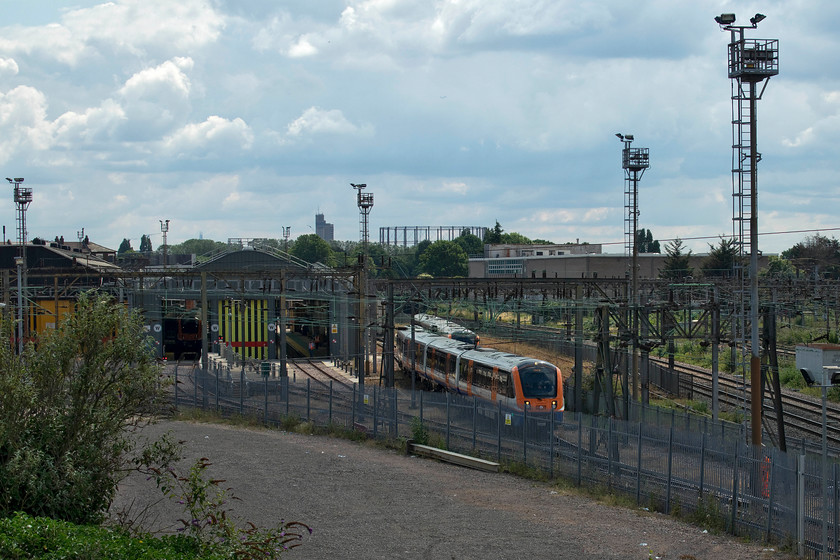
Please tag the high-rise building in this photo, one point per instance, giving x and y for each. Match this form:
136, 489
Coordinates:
322, 228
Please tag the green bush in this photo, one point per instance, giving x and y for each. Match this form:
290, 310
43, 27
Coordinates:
66, 410
25, 537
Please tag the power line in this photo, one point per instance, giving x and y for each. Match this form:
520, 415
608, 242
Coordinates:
727, 236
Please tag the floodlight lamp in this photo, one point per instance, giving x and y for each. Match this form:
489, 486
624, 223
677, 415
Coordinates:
9, 180
629, 137
725, 19
18, 179
757, 18
620, 136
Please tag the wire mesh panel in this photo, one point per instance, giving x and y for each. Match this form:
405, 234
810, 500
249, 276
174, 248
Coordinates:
667, 461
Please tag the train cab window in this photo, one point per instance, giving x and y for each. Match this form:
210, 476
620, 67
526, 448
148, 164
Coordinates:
539, 381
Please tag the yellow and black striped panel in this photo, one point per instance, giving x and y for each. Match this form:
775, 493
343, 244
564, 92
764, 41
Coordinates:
244, 326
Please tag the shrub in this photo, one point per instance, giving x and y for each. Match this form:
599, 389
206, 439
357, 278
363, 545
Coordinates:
67, 410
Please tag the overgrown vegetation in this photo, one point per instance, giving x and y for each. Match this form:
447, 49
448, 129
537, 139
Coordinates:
68, 409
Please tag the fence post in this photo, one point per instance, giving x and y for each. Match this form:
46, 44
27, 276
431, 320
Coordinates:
331, 400
734, 529
375, 412
551, 446
639, 467
525, 435
195, 385
702, 463
800, 504
353, 409
287, 392
396, 414
308, 398
499, 435
474, 421
670, 469
448, 395
579, 447
770, 501
609, 452
175, 387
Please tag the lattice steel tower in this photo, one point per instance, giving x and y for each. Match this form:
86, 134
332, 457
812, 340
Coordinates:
365, 203
751, 61
634, 161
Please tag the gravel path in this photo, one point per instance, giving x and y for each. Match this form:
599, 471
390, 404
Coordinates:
366, 502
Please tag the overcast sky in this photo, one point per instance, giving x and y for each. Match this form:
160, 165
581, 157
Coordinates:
234, 118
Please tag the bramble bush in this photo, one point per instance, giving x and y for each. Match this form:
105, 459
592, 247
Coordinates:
67, 410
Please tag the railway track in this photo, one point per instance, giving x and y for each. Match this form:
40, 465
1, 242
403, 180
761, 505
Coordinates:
802, 414
321, 373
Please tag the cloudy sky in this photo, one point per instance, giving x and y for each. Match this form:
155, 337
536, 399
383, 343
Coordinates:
234, 118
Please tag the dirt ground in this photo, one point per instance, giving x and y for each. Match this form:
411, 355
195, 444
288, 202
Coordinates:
365, 502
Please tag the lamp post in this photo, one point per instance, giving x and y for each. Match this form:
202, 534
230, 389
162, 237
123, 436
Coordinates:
19, 265
750, 61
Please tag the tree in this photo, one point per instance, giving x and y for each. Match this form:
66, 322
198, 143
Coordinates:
514, 238
494, 235
125, 247
817, 255
778, 267
196, 247
145, 244
312, 248
421, 248
645, 243
66, 410
676, 266
444, 259
722, 258
471, 244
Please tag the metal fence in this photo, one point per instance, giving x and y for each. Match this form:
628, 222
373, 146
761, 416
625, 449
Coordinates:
666, 461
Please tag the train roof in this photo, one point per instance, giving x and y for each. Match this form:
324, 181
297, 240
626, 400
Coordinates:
440, 324
467, 351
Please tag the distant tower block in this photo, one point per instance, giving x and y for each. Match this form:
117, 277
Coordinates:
323, 229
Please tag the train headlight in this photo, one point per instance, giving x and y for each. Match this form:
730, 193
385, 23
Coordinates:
527, 403
553, 404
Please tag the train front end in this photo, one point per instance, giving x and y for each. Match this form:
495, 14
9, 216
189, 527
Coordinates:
539, 387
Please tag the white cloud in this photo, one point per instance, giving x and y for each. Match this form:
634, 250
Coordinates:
319, 121
163, 82
8, 66
71, 128
214, 135
23, 125
302, 49
129, 26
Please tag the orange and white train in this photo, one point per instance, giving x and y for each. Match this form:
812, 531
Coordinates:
515, 382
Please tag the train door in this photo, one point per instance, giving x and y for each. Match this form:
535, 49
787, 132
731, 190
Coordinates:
494, 384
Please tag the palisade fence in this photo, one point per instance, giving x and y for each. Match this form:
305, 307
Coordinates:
667, 461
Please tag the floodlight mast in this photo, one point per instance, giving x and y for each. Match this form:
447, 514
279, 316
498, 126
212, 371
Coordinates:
634, 161
750, 61
22, 197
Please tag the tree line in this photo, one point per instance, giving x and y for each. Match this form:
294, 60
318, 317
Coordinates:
816, 256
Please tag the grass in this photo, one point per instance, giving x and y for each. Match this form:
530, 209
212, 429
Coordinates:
26, 537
